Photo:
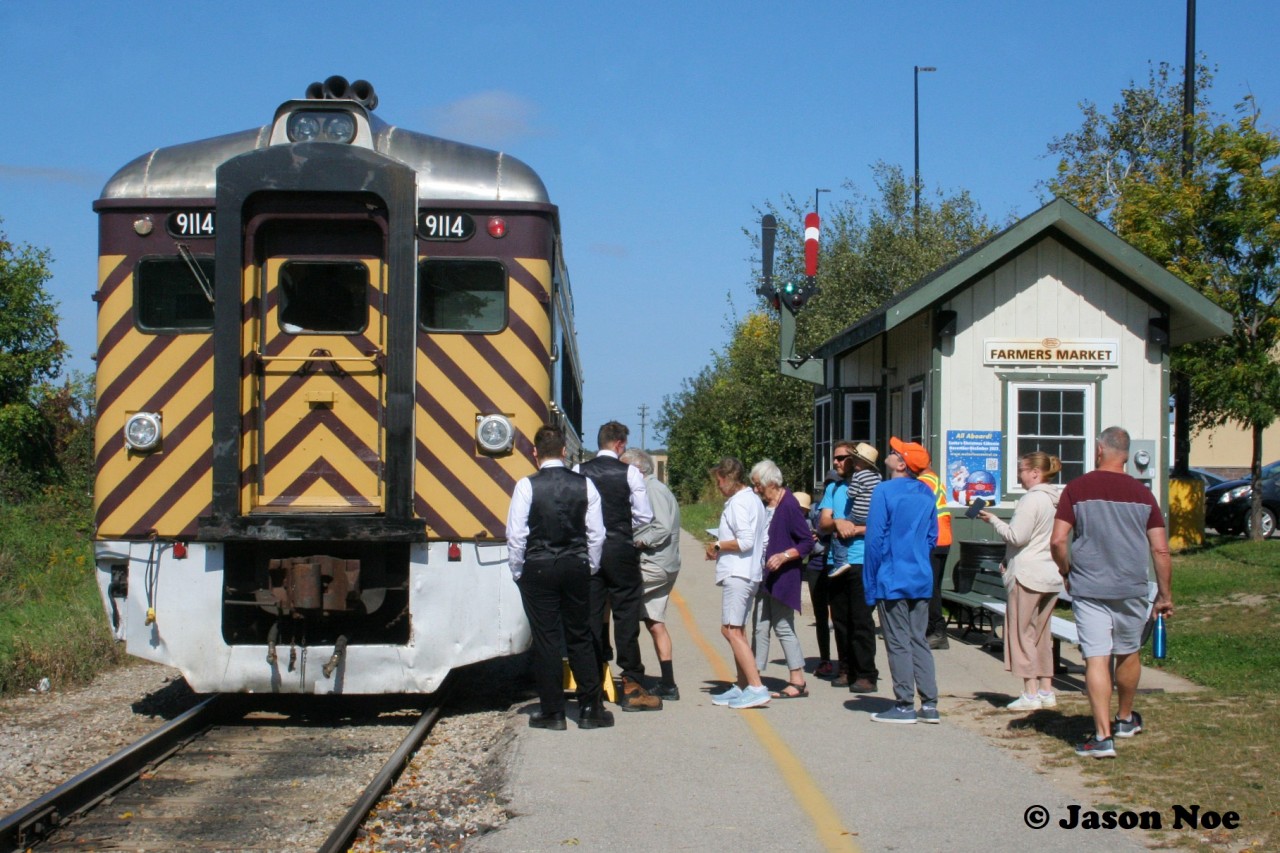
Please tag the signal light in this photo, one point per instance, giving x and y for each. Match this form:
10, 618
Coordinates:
497, 227
455, 552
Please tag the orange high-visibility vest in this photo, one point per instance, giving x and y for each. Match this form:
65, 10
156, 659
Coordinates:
930, 478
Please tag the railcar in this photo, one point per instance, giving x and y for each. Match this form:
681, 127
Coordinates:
324, 345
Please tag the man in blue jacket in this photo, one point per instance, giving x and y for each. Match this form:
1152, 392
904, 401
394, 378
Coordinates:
902, 528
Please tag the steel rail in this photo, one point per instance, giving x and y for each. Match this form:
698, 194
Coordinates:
38, 818
345, 832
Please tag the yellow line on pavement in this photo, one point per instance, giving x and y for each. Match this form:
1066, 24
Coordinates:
831, 832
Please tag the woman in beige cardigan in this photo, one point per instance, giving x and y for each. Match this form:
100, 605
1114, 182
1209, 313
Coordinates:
1032, 579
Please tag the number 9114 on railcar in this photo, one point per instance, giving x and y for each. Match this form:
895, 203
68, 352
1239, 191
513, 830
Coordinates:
323, 347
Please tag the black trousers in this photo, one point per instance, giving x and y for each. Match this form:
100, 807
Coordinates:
937, 622
854, 624
556, 595
821, 611
618, 585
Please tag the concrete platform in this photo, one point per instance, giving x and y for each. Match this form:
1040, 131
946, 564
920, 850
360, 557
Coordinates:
808, 774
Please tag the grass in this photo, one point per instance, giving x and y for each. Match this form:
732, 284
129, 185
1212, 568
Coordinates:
51, 620
1216, 747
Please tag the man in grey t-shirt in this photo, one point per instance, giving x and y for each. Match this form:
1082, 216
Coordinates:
1107, 523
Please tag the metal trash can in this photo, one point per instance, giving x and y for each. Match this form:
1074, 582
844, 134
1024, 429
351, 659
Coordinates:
976, 555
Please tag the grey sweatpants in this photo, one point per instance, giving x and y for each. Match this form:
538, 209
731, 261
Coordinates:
903, 621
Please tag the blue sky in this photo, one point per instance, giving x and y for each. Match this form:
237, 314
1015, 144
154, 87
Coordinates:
657, 128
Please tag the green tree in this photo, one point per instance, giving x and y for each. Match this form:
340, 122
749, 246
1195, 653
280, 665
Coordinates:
1215, 222
1219, 229
31, 355
872, 248
739, 406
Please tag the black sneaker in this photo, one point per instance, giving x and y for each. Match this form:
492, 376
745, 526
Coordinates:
1127, 728
938, 641
665, 691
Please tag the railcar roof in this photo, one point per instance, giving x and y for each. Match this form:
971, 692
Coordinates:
447, 170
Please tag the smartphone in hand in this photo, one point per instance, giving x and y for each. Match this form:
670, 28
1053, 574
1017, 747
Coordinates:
976, 507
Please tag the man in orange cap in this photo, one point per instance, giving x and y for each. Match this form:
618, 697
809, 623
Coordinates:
902, 528
937, 631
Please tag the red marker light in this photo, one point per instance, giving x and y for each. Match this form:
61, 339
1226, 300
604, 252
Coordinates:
179, 550
811, 244
497, 227
455, 552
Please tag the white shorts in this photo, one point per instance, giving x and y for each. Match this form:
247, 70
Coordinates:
736, 598
1110, 626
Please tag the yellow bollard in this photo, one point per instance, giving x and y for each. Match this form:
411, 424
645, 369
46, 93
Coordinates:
1186, 513
606, 682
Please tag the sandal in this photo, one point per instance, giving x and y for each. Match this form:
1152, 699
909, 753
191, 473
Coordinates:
802, 690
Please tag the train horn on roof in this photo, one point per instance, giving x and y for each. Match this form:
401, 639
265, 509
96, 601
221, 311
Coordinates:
362, 91
336, 87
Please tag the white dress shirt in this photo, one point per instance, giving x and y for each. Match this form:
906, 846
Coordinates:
518, 522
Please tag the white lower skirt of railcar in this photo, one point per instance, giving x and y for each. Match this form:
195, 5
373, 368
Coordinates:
462, 612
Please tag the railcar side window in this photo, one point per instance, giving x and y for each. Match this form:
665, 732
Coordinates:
462, 296
324, 297
168, 298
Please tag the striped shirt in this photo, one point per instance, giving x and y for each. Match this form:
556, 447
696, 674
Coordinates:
861, 485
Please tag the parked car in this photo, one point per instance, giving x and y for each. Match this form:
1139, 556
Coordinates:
1226, 505
1207, 477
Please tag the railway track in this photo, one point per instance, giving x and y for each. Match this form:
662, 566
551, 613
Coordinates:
297, 774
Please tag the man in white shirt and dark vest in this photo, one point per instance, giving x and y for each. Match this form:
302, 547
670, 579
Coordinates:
555, 531
618, 584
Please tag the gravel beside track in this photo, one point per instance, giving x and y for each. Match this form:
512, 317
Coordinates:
450, 791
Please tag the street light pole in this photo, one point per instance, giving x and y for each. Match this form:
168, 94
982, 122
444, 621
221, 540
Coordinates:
916, 81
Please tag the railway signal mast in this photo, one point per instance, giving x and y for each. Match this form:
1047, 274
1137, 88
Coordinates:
791, 296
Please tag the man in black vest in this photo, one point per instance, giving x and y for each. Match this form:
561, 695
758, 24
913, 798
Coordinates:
555, 531
619, 583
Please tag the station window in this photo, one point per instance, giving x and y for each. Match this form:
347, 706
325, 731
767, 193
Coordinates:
462, 296
916, 419
324, 297
170, 298
860, 417
1054, 418
822, 439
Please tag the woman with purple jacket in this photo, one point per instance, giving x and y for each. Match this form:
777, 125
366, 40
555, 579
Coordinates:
788, 542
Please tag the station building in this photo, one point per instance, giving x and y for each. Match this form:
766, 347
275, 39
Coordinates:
1039, 338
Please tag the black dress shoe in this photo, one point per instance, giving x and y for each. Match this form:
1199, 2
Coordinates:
555, 721
593, 715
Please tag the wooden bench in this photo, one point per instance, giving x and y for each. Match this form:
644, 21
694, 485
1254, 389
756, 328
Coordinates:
987, 602
968, 609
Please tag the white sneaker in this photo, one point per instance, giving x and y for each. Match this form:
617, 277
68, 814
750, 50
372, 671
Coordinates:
1025, 703
752, 697
837, 571
1047, 700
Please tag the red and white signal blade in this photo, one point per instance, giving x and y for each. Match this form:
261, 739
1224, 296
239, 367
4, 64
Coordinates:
811, 244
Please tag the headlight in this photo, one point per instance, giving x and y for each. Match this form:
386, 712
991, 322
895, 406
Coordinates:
321, 126
494, 433
142, 431
340, 128
303, 127
1235, 494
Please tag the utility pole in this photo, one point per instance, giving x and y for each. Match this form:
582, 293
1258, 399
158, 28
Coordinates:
644, 414
916, 86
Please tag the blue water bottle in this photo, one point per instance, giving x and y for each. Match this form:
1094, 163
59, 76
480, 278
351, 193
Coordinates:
1159, 641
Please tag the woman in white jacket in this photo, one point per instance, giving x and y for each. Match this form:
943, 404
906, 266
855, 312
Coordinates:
1032, 578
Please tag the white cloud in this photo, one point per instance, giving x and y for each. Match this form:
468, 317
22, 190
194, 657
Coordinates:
45, 174
494, 119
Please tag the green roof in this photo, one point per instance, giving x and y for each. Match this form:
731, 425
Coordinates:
1192, 316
